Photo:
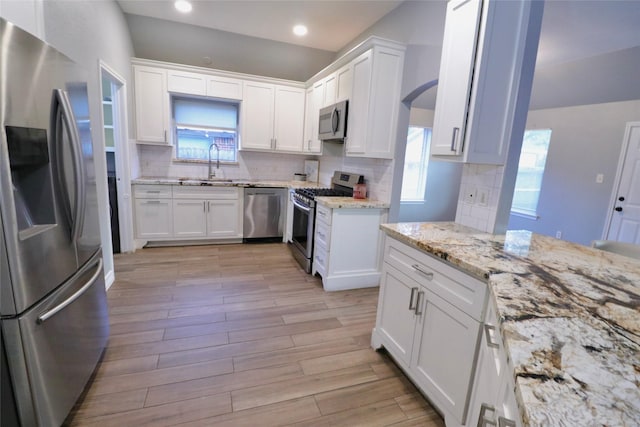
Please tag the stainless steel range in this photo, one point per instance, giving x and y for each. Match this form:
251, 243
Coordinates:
304, 213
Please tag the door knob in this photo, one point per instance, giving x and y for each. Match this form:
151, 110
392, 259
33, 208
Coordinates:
618, 209
621, 198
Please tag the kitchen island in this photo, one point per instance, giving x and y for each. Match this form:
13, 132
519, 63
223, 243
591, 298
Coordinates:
569, 316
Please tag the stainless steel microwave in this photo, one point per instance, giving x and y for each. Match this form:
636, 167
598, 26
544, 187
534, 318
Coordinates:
332, 125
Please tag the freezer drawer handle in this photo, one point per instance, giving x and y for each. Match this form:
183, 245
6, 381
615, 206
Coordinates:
44, 317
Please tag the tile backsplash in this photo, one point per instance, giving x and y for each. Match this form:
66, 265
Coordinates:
158, 161
479, 195
378, 173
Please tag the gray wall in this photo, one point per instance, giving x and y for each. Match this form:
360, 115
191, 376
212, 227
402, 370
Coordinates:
187, 44
585, 140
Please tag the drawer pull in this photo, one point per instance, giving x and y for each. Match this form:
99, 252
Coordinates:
413, 293
152, 202
483, 421
418, 302
427, 274
487, 333
153, 191
506, 422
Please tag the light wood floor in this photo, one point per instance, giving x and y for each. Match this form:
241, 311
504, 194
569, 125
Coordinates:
239, 335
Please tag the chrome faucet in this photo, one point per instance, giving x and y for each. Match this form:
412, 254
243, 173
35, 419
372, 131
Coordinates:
213, 144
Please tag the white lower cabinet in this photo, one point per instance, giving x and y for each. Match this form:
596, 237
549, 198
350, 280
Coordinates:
493, 399
347, 246
429, 319
224, 219
153, 211
177, 213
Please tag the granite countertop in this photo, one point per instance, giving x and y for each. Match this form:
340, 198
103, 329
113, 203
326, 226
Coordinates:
569, 315
351, 203
227, 183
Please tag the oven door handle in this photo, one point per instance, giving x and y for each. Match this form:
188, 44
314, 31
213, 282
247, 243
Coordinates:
301, 207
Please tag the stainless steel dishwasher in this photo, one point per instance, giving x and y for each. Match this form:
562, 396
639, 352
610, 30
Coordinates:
264, 210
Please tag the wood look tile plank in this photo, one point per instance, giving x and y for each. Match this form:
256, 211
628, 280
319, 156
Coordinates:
333, 312
244, 362
414, 405
116, 340
300, 387
374, 415
247, 348
110, 404
166, 346
339, 361
331, 334
126, 366
228, 326
201, 337
278, 414
361, 395
278, 331
119, 383
163, 323
221, 308
165, 415
275, 311
219, 383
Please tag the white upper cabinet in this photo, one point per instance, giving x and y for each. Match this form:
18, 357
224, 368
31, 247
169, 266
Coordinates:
256, 116
344, 82
272, 117
314, 98
151, 105
454, 80
330, 86
483, 76
225, 88
358, 113
374, 103
186, 82
289, 118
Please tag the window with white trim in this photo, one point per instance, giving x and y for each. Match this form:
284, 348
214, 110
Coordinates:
533, 160
416, 161
202, 125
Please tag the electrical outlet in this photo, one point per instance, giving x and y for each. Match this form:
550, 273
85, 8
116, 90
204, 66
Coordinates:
483, 196
599, 178
470, 195
558, 234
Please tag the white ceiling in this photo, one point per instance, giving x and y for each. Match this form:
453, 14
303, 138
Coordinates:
332, 24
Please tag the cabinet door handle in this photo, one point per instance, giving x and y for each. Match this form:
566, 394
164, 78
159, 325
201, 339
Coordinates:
487, 333
418, 302
413, 293
506, 422
426, 274
483, 421
165, 136
453, 139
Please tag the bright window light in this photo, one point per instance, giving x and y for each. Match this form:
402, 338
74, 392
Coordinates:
183, 6
533, 159
300, 30
416, 161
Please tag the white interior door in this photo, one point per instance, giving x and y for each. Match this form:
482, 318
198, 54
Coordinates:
624, 223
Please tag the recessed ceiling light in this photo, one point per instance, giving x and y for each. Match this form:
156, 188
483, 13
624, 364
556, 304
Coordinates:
300, 30
183, 6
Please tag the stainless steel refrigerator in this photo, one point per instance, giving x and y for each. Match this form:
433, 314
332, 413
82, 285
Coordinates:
53, 309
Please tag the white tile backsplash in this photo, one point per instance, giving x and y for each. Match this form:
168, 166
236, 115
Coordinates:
479, 178
378, 173
158, 161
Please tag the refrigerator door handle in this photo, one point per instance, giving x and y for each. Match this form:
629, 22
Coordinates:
50, 313
63, 112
